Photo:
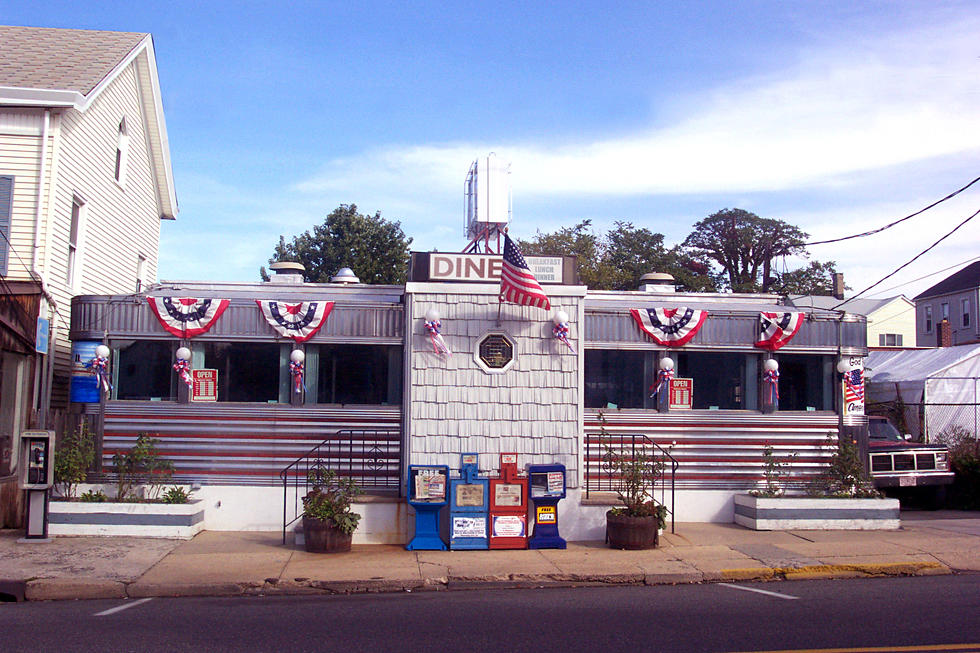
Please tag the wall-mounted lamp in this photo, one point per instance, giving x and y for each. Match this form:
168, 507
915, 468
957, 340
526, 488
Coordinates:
183, 365
561, 330
296, 358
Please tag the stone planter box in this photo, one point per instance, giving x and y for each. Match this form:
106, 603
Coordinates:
808, 513
178, 520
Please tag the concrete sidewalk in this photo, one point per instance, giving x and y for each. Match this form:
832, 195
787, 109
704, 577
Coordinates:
220, 563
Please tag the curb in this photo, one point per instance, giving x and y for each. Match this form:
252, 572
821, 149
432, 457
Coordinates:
50, 589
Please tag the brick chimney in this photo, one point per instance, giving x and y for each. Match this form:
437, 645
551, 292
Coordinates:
944, 334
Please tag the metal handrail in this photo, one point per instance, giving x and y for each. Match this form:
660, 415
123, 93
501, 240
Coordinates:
372, 457
631, 444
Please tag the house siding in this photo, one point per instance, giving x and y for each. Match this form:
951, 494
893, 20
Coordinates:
897, 317
20, 158
961, 335
533, 408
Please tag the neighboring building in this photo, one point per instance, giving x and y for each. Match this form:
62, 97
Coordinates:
380, 396
85, 180
891, 321
954, 299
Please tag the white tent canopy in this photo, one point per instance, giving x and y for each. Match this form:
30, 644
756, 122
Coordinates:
946, 380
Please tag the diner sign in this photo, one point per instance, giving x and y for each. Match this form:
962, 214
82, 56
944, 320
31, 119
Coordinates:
486, 267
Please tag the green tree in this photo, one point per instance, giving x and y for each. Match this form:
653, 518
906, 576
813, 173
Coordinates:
375, 248
578, 241
632, 252
814, 279
744, 245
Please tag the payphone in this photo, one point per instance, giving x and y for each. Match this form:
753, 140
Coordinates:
508, 506
427, 486
37, 477
468, 504
547, 489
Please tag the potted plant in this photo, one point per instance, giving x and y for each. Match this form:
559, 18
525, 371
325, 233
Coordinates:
328, 522
637, 524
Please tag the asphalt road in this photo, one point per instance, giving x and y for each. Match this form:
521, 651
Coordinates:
936, 612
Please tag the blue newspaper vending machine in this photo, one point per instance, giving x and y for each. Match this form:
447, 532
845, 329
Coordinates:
427, 494
469, 506
547, 489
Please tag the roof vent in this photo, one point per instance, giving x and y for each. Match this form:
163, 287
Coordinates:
657, 282
345, 276
287, 272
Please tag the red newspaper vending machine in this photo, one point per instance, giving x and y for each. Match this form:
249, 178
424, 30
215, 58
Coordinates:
508, 506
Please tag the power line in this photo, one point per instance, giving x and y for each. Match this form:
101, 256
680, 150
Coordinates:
892, 224
910, 261
926, 276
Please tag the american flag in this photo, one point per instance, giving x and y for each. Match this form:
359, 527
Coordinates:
854, 386
517, 284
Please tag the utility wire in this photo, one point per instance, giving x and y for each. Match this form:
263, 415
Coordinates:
910, 261
892, 224
7, 289
926, 276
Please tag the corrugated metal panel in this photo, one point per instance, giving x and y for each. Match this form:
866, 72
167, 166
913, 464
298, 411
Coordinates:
724, 450
236, 443
131, 317
723, 329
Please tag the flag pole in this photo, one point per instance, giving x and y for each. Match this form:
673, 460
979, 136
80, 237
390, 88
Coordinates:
500, 301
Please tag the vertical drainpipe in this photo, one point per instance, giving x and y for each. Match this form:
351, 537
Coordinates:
42, 394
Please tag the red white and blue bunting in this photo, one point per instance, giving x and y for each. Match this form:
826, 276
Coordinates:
297, 320
186, 317
777, 329
439, 346
671, 327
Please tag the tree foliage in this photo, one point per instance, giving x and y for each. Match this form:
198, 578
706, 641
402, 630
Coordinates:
376, 249
814, 279
744, 245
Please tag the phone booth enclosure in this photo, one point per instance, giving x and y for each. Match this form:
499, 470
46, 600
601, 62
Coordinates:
548, 487
469, 497
508, 506
37, 477
427, 492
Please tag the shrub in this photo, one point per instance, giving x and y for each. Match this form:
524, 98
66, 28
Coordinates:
330, 499
772, 473
846, 476
176, 494
141, 465
97, 496
964, 458
72, 459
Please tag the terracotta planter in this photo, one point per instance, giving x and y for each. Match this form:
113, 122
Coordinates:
625, 532
321, 537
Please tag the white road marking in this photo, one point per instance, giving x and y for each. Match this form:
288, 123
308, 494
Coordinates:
758, 591
120, 608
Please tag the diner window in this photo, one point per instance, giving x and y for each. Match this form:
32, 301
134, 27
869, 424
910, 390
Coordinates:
806, 382
618, 379
722, 380
359, 374
143, 370
247, 371
889, 339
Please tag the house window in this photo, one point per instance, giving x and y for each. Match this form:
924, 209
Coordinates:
6, 212
247, 371
889, 339
928, 316
75, 243
359, 374
965, 307
805, 382
143, 370
122, 152
140, 271
945, 307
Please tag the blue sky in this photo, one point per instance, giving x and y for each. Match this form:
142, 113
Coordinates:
834, 116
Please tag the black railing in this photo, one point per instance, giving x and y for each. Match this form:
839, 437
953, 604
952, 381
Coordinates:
602, 475
372, 457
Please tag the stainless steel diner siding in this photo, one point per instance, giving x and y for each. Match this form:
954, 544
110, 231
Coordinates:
730, 330
241, 444
122, 317
722, 450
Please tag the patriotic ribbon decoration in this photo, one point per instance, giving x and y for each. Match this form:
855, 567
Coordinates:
560, 332
777, 329
663, 381
99, 367
438, 343
671, 327
186, 317
772, 378
296, 369
299, 321
183, 369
